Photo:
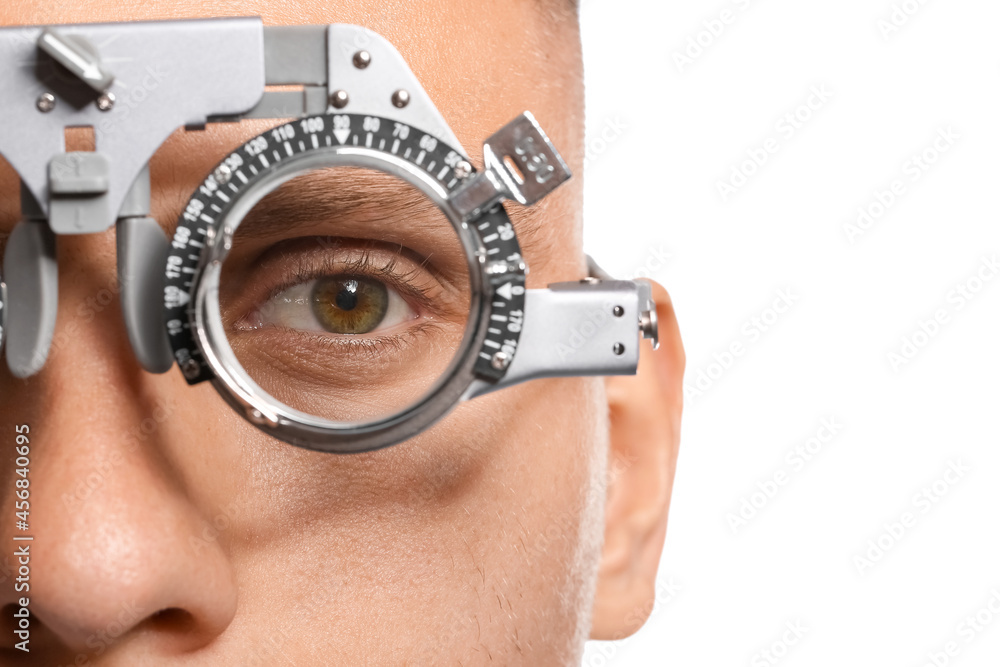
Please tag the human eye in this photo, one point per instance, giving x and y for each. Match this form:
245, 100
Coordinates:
347, 299
345, 304
338, 292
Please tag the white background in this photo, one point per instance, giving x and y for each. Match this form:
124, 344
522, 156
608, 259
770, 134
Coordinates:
662, 136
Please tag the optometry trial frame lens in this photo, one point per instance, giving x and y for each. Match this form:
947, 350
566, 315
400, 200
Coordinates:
214, 214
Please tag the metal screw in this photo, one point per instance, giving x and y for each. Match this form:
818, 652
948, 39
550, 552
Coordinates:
223, 174
339, 99
618, 349
190, 368
463, 169
400, 98
362, 59
106, 101
618, 311
46, 102
500, 361
649, 326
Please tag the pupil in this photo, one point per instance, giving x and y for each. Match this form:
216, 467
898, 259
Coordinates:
347, 304
347, 296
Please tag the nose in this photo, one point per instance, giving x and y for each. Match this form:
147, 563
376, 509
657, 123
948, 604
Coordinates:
117, 552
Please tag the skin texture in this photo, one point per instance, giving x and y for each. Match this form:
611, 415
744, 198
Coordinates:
169, 531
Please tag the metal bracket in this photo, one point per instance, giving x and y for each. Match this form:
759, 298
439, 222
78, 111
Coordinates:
572, 329
168, 74
521, 164
367, 75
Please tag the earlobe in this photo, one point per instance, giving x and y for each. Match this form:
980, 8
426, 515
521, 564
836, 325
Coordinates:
645, 419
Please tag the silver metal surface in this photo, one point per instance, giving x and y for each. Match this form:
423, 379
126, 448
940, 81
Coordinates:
46, 102
167, 75
400, 99
295, 426
362, 59
310, 101
339, 99
570, 329
649, 326
106, 102
77, 55
371, 88
463, 170
521, 164
295, 54
223, 173
478, 194
500, 360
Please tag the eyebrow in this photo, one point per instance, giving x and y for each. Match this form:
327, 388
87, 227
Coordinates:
342, 194
354, 203
359, 200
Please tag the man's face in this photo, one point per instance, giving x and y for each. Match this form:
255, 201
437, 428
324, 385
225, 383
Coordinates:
167, 528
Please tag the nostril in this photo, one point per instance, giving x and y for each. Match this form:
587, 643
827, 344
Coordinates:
173, 620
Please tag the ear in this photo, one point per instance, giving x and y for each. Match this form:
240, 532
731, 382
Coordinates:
645, 420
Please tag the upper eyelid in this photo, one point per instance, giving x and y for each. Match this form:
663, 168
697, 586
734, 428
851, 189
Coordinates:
361, 266
317, 261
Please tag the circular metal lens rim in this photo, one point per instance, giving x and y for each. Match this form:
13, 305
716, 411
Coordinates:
294, 426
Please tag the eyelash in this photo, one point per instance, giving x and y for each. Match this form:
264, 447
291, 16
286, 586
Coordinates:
365, 265
303, 267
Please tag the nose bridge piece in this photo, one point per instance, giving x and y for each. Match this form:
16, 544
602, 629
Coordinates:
32, 278
142, 249
30, 271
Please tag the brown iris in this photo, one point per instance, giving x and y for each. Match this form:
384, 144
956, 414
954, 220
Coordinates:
346, 304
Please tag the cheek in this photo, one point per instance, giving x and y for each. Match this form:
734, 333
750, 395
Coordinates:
549, 494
